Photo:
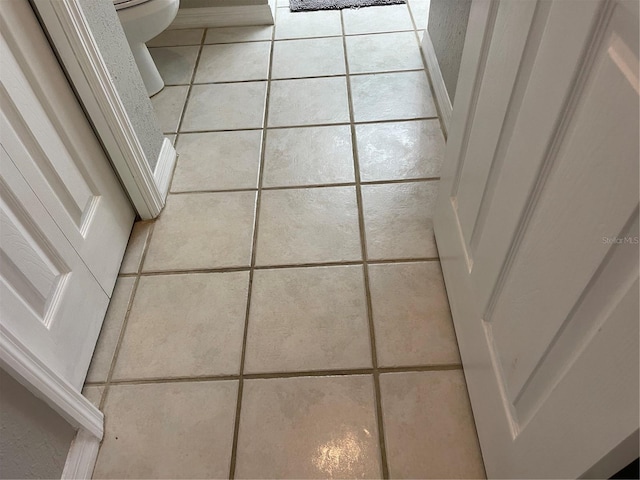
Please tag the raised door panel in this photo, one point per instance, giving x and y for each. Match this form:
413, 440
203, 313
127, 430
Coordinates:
537, 226
50, 301
48, 137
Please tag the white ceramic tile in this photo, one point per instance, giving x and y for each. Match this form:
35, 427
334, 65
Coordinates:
386, 52
387, 18
411, 315
308, 101
93, 394
111, 329
324, 23
308, 156
168, 105
400, 150
308, 58
309, 427
172, 38
238, 34
308, 226
428, 426
217, 161
184, 326
168, 430
392, 96
203, 230
398, 220
233, 62
175, 64
135, 248
225, 106
304, 319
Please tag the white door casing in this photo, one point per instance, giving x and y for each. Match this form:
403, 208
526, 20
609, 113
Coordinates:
537, 229
65, 217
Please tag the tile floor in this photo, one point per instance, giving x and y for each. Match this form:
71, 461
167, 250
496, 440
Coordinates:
286, 316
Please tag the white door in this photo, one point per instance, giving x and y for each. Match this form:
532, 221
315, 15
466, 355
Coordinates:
65, 218
537, 228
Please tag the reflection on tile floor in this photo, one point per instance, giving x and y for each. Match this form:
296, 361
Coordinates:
286, 316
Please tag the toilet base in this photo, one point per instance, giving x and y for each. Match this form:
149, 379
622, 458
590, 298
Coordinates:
148, 70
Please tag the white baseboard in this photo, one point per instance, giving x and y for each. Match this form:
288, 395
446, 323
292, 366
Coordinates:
226, 16
82, 456
442, 96
164, 167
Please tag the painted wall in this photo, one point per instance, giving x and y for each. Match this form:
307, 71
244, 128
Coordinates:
105, 26
447, 28
34, 440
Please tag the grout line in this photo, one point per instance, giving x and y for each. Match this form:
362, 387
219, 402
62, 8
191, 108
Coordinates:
153, 273
310, 125
265, 119
306, 77
293, 374
318, 37
293, 38
125, 321
193, 76
302, 187
365, 269
337, 263
184, 107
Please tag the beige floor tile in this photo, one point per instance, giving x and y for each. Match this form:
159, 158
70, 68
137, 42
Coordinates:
420, 11
217, 161
400, 150
308, 101
308, 156
203, 230
238, 34
428, 426
386, 52
168, 430
111, 329
168, 105
392, 96
398, 220
171, 38
304, 319
225, 106
93, 394
138, 239
175, 64
388, 18
309, 427
234, 62
307, 24
411, 315
184, 326
308, 226
308, 58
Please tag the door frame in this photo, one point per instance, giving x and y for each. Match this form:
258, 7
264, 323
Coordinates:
72, 39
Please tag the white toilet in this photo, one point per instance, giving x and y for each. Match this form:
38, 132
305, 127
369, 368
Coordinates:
142, 20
